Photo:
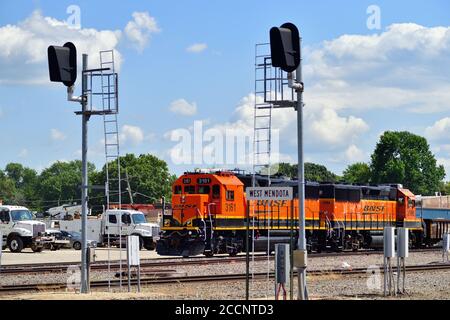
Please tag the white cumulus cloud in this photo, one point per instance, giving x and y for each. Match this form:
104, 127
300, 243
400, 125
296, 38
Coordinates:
57, 135
400, 67
354, 154
197, 48
329, 128
139, 30
23, 46
440, 130
131, 134
325, 130
181, 106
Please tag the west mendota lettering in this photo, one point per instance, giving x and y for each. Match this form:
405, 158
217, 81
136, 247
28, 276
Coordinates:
269, 193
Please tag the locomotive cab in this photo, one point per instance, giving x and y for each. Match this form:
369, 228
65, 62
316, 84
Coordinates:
406, 210
201, 205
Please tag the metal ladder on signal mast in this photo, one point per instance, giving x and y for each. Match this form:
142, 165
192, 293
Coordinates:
110, 105
262, 119
262, 135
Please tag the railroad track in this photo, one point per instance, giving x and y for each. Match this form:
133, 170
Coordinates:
174, 278
172, 262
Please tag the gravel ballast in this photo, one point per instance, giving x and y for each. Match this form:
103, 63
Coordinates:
419, 285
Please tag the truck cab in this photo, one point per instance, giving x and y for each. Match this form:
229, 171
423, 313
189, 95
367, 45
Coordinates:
118, 222
20, 230
113, 226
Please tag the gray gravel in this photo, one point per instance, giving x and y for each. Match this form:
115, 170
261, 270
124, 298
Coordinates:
429, 285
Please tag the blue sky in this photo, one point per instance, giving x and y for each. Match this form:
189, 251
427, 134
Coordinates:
359, 82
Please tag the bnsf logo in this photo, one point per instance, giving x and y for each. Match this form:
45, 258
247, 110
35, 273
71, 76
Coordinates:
280, 203
373, 209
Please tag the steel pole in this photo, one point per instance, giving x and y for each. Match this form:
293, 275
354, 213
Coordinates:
301, 180
84, 180
247, 253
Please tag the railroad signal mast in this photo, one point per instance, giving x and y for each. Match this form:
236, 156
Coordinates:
285, 47
62, 63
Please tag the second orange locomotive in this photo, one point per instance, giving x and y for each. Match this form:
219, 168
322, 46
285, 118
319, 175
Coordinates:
209, 215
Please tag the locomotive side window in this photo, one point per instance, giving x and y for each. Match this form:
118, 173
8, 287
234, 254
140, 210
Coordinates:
354, 195
348, 194
204, 189
341, 195
189, 189
411, 203
216, 191
230, 195
311, 192
177, 190
326, 192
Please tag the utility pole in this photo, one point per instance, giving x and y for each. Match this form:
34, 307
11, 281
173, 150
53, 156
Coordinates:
84, 183
62, 63
301, 184
128, 186
285, 46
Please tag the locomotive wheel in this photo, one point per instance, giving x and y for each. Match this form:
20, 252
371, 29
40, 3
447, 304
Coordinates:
232, 252
185, 254
209, 254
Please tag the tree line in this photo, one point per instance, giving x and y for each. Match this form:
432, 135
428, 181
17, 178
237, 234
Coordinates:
399, 157
148, 177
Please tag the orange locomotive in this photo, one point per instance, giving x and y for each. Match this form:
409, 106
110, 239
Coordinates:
209, 215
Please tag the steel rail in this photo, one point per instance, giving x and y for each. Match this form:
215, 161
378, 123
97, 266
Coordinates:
174, 278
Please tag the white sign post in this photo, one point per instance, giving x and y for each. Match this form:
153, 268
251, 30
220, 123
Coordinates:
270, 193
133, 259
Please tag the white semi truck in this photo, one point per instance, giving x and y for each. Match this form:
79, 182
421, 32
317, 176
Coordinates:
20, 230
115, 223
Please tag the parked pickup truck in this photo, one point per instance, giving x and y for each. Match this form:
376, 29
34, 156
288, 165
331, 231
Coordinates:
20, 230
112, 224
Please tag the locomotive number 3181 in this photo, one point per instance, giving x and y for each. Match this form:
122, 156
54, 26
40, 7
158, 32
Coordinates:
230, 207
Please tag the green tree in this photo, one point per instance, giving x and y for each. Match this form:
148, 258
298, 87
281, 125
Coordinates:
25, 181
403, 157
149, 178
357, 173
319, 173
444, 188
287, 170
313, 172
61, 183
8, 189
